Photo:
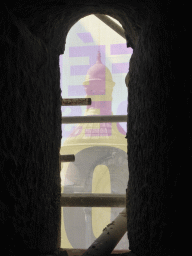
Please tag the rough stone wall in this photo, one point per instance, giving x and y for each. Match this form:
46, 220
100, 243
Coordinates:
157, 103
30, 141
31, 119
51, 21
31, 40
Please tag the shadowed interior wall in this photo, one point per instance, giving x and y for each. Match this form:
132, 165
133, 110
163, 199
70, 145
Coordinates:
31, 42
30, 118
159, 136
151, 202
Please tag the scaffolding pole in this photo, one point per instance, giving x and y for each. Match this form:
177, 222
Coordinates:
94, 119
112, 234
92, 200
67, 158
76, 102
111, 24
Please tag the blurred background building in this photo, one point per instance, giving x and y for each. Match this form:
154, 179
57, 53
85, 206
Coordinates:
100, 149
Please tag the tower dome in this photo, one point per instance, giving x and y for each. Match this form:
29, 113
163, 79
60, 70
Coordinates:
99, 86
98, 72
98, 80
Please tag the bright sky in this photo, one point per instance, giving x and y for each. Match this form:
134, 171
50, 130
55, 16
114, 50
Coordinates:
91, 31
88, 33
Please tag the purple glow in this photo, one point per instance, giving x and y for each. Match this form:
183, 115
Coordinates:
85, 51
117, 49
76, 131
120, 129
76, 90
120, 68
79, 70
122, 110
104, 106
85, 37
97, 132
65, 132
96, 85
105, 128
72, 110
96, 78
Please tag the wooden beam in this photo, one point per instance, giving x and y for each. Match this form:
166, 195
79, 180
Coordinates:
67, 158
113, 25
110, 236
76, 102
92, 200
94, 119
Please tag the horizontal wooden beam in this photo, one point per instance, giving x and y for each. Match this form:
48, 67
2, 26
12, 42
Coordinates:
94, 119
76, 102
67, 158
92, 200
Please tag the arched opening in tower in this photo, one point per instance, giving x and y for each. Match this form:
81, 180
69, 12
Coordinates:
95, 63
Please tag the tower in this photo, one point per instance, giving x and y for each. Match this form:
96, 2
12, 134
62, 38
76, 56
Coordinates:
100, 151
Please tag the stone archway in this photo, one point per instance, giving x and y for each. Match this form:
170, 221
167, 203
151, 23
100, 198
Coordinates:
68, 213
40, 39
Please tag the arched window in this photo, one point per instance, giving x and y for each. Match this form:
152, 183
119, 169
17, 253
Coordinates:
94, 65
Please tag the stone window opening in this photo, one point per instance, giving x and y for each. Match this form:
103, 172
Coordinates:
91, 132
